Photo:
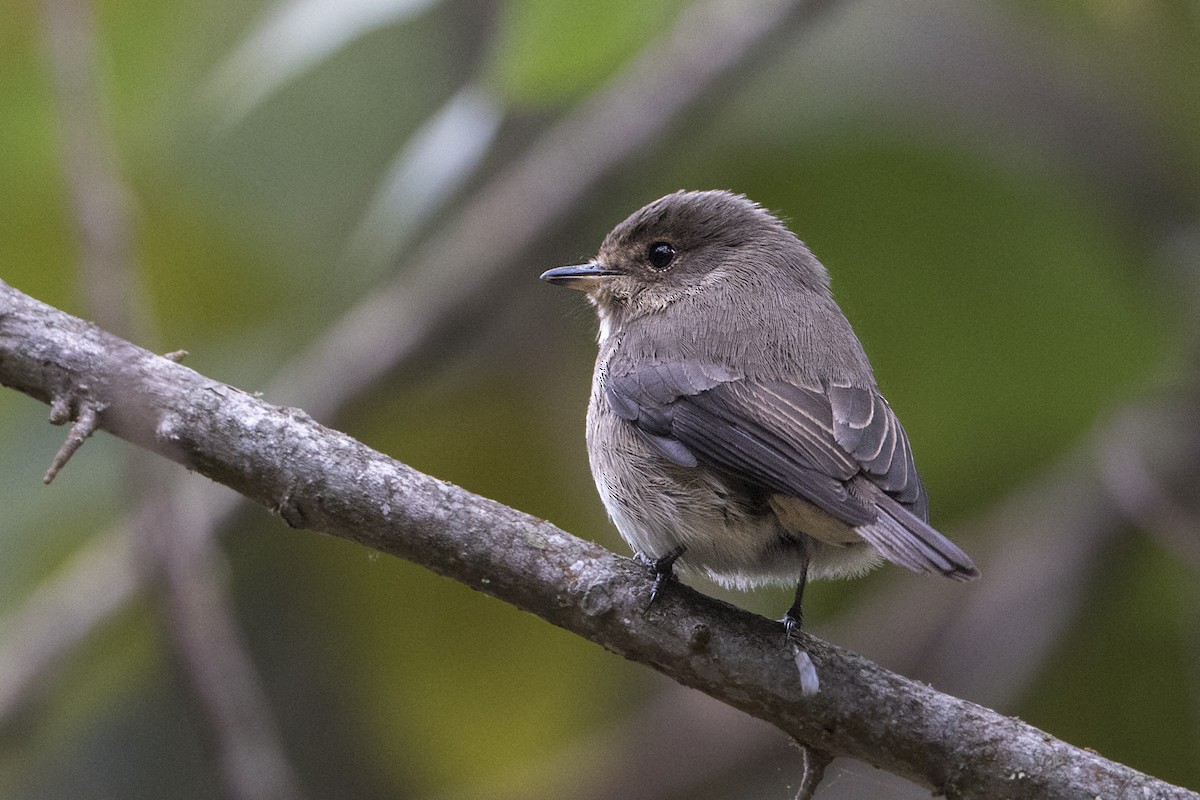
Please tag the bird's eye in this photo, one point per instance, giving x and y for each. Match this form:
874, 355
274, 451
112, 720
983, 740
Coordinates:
660, 255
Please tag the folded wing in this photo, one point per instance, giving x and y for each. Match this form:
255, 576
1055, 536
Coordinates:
841, 448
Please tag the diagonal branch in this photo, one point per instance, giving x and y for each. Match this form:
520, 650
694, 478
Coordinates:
323, 480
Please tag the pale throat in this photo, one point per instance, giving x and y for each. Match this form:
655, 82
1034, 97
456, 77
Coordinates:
606, 326
605, 315
652, 301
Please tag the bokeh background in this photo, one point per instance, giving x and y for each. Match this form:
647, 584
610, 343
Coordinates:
1005, 193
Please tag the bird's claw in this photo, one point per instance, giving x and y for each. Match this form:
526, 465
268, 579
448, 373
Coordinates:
810, 684
792, 624
663, 569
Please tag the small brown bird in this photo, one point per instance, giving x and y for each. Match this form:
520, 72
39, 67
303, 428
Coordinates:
735, 427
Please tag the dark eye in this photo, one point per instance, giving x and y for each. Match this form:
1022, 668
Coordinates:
660, 255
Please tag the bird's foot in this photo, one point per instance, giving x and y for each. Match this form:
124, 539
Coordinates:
663, 568
810, 684
792, 621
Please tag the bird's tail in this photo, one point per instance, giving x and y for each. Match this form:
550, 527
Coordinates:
905, 539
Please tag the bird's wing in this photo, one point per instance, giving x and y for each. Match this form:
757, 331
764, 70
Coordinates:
841, 449
775, 435
865, 426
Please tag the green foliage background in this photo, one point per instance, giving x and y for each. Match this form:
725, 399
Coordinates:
1008, 276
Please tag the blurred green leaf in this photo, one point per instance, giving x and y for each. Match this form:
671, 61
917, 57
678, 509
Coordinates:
550, 51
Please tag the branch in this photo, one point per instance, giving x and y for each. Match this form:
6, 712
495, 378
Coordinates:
325, 481
100, 201
88, 589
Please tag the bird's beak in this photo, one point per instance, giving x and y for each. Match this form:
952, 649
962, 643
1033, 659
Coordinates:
583, 277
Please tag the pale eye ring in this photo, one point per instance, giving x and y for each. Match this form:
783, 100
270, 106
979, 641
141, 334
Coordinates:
660, 255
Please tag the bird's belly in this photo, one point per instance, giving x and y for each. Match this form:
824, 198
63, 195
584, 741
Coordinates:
728, 533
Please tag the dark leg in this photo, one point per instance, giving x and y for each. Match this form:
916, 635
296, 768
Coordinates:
663, 568
792, 621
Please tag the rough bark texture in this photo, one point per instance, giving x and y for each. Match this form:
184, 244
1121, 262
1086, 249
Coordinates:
323, 480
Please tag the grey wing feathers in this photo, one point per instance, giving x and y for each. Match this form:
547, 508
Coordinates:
866, 427
742, 450
646, 398
789, 418
840, 448
771, 434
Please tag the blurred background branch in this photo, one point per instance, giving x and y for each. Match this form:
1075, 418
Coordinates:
182, 569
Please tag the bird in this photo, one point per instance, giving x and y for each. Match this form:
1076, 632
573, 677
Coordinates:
735, 428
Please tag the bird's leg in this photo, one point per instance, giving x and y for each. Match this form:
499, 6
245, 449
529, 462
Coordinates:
663, 568
792, 621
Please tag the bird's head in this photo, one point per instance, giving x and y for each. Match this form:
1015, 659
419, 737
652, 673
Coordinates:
683, 246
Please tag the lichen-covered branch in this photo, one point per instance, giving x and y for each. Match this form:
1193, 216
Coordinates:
319, 479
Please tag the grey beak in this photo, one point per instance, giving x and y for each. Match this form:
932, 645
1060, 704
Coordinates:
581, 276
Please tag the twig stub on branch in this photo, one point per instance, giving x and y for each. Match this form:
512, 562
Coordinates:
86, 421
